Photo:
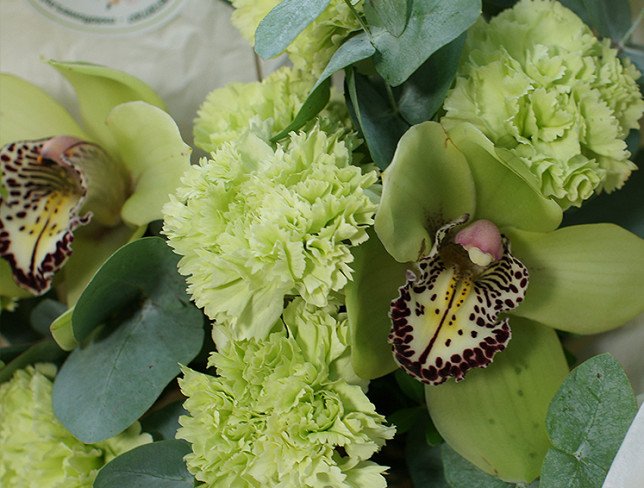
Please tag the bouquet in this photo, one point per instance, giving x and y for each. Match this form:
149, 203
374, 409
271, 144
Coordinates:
371, 277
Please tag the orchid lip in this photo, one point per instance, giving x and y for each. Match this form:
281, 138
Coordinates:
38, 215
446, 318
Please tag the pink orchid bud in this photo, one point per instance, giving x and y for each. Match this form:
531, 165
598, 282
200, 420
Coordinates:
482, 241
55, 147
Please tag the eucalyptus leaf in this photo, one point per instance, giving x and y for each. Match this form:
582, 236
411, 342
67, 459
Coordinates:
392, 14
460, 473
163, 423
283, 24
379, 120
156, 465
431, 25
45, 351
587, 421
316, 101
496, 417
424, 461
355, 49
420, 97
148, 327
583, 279
607, 18
376, 279
45, 313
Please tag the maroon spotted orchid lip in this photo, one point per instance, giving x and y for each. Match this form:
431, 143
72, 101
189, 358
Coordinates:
446, 319
45, 191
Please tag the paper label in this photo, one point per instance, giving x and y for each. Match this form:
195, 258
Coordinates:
110, 16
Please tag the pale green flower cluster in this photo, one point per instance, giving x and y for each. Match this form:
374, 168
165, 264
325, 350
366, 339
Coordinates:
36, 451
257, 224
314, 46
281, 413
536, 81
264, 108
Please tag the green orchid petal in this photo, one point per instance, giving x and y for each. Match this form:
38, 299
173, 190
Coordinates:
496, 417
583, 279
427, 184
27, 112
92, 246
506, 191
375, 284
153, 153
8, 287
98, 90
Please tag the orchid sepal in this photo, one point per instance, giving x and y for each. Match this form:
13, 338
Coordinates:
584, 279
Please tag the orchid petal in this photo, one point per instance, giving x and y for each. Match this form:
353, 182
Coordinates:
496, 418
445, 321
8, 287
427, 184
154, 155
506, 192
583, 279
376, 279
27, 113
98, 90
40, 212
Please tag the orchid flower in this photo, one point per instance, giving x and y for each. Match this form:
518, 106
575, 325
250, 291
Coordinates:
483, 277
98, 186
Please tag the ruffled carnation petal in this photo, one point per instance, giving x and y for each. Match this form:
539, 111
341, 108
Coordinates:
37, 451
536, 81
255, 225
274, 417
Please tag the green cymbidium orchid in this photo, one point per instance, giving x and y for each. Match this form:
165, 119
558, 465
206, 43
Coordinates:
467, 292
99, 185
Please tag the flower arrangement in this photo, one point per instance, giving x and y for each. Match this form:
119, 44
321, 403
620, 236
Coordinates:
364, 282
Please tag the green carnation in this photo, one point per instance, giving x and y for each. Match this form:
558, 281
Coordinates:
36, 450
323, 336
264, 108
536, 81
314, 46
256, 224
274, 417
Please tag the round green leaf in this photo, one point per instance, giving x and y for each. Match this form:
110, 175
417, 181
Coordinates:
148, 327
99, 89
587, 421
427, 184
379, 120
583, 279
431, 25
283, 23
496, 417
164, 423
375, 284
156, 465
44, 351
154, 155
462, 474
